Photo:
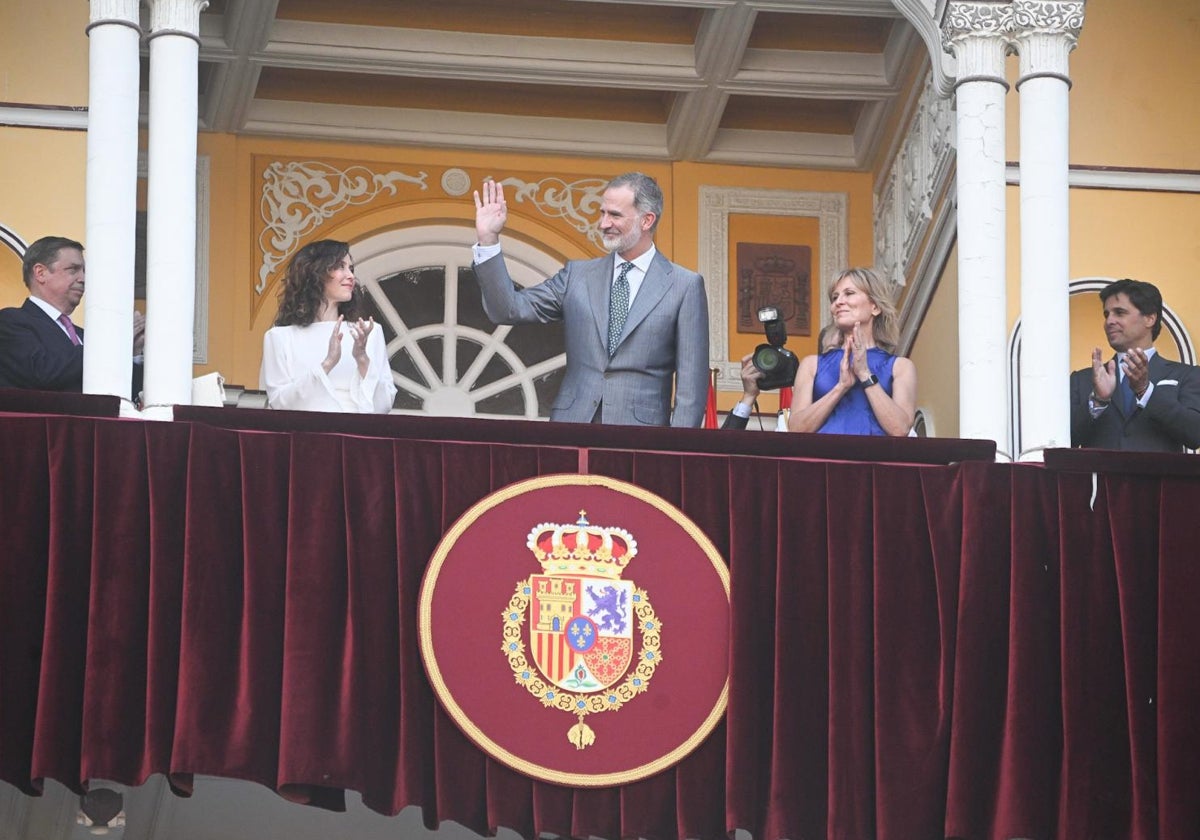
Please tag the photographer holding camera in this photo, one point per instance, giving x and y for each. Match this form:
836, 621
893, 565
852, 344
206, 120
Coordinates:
755, 379
858, 387
854, 385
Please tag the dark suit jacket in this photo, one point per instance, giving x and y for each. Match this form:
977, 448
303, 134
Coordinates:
35, 353
732, 421
1170, 422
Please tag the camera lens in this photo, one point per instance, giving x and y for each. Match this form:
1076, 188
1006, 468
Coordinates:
766, 358
778, 366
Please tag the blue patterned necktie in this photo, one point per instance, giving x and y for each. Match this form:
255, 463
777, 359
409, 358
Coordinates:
618, 307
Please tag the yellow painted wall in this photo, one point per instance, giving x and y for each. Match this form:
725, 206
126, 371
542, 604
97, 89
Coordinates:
43, 61
1137, 84
42, 187
935, 355
1146, 236
12, 288
44, 52
1137, 112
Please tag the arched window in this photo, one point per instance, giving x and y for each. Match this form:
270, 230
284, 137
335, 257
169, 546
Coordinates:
447, 358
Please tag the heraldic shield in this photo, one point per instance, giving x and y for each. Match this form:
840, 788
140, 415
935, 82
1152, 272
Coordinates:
581, 616
571, 648
541, 642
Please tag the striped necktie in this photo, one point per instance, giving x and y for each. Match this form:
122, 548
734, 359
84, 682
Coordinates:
618, 307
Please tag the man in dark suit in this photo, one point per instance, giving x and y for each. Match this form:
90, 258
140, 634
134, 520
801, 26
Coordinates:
636, 324
1136, 400
40, 348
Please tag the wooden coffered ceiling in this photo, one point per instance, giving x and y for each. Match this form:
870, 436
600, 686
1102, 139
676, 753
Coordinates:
777, 82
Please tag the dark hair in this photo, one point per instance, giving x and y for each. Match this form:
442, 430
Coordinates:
1145, 297
44, 251
647, 195
303, 289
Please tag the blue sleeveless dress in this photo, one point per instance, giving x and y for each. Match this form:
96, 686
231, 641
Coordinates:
852, 415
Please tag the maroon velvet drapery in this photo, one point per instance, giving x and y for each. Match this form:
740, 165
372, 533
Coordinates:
919, 649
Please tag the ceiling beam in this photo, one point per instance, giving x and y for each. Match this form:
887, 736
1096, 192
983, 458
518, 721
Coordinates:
720, 45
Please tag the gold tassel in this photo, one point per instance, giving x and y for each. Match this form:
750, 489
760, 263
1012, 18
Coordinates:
581, 735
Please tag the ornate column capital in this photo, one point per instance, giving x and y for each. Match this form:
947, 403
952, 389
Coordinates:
978, 35
176, 17
119, 12
1045, 32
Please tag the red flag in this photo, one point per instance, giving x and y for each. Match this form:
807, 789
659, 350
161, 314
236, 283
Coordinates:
785, 397
710, 410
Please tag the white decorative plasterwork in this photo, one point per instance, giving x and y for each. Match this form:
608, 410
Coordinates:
578, 202
925, 15
1056, 17
978, 35
716, 205
964, 19
1045, 33
176, 17
456, 182
124, 12
299, 197
918, 176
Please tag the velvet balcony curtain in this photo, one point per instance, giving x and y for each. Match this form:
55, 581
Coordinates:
919, 649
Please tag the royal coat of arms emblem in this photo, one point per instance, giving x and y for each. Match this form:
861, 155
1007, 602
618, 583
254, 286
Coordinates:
592, 635
529, 632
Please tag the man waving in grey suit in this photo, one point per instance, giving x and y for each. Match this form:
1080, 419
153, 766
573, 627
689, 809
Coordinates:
635, 322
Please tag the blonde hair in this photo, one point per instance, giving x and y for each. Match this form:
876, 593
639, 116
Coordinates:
886, 325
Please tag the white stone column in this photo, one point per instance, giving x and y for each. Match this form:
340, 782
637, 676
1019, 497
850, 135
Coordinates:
1045, 32
171, 203
112, 150
977, 35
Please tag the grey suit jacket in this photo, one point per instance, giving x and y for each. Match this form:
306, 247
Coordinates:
1170, 422
665, 340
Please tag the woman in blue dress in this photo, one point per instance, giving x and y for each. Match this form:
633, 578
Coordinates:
857, 387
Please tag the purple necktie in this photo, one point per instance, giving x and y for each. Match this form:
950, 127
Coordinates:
70, 328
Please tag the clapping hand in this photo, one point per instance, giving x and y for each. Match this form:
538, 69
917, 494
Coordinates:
334, 354
858, 355
360, 329
1137, 370
1104, 376
854, 367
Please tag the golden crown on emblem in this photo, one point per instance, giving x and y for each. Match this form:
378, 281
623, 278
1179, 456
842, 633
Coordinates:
582, 548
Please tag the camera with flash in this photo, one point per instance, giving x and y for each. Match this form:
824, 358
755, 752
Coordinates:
777, 363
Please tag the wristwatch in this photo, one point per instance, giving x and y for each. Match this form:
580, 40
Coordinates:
869, 381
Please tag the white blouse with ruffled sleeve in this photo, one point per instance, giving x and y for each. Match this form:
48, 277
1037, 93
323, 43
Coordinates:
293, 377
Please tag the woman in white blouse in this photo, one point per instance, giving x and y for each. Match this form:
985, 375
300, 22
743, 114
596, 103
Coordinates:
320, 356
